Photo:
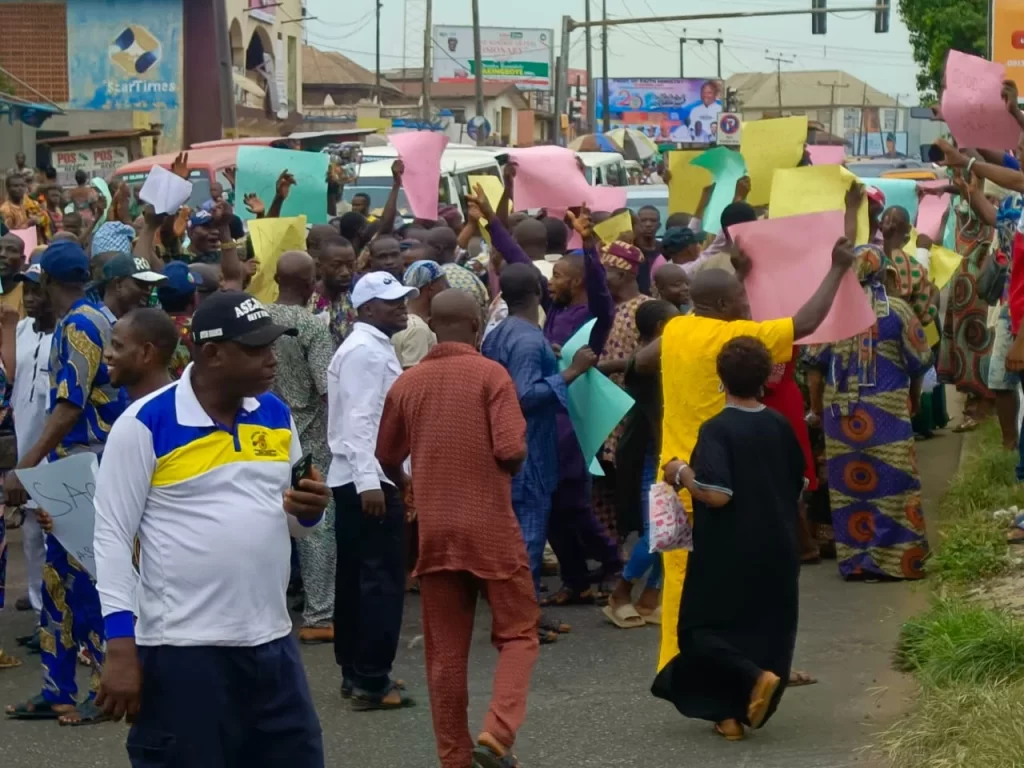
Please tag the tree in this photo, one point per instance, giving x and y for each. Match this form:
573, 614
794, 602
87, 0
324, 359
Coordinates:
936, 27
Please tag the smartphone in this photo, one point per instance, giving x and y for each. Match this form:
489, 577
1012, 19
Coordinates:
302, 469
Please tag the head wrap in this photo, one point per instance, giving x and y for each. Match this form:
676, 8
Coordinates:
622, 255
676, 239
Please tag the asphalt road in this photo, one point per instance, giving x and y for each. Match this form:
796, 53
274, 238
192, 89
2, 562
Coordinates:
589, 704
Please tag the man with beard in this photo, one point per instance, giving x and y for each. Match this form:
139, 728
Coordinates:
332, 297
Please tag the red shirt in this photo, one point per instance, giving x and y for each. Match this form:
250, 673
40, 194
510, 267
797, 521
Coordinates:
457, 415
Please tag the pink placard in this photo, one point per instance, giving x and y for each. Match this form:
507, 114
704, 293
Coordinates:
791, 256
548, 177
929, 215
30, 237
822, 154
421, 152
972, 106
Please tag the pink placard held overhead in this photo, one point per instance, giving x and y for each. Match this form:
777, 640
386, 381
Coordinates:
972, 105
606, 198
548, 177
929, 215
823, 154
30, 237
421, 152
791, 256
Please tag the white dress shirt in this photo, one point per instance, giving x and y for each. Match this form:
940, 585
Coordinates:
30, 392
358, 379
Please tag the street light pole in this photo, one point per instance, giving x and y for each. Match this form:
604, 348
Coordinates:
606, 123
478, 67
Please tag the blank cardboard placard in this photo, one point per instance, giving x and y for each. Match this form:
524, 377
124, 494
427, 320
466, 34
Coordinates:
815, 189
259, 169
768, 145
790, 258
726, 168
421, 152
972, 105
271, 238
686, 181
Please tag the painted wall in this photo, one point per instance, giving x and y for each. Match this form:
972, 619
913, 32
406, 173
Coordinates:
127, 55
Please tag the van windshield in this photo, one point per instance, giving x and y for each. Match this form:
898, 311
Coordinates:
377, 183
200, 185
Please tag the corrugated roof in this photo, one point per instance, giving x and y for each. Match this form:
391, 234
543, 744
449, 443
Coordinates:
759, 90
331, 68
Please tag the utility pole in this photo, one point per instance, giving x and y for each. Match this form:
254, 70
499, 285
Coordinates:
562, 83
591, 94
832, 103
478, 68
376, 89
428, 45
779, 61
863, 138
684, 40
606, 123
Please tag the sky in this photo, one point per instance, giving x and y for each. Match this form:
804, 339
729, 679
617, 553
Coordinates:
643, 50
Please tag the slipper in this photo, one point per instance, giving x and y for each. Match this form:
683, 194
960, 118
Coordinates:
554, 625
8, 662
36, 708
364, 701
623, 617
797, 678
761, 698
566, 596
485, 757
730, 730
347, 686
967, 425
88, 714
653, 617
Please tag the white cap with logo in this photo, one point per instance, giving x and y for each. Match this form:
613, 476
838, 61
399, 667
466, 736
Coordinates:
380, 285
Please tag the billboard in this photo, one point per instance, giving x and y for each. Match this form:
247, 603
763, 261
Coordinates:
1008, 37
124, 54
520, 57
666, 109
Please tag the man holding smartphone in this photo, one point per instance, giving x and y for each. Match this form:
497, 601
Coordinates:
201, 471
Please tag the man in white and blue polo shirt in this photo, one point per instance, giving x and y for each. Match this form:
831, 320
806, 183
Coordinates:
201, 471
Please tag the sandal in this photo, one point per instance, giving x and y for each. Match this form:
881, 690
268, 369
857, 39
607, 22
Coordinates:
554, 625
364, 701
651, 617
485, 757
567, 596
761, 698
623, 616
967, 425
86, 713
730, 730
798, 678
36, 708
347, 686
7, 661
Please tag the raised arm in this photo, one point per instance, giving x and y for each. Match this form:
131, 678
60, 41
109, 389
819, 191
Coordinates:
812, 314
600, 303
145, 244
1005, 177
285, 182
390, 212
505, 203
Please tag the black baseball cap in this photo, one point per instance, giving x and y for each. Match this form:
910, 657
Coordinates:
236, 316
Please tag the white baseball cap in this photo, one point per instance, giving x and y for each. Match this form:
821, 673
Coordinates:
380, 285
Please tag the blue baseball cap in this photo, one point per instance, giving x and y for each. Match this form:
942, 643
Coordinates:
181, 281
66, 262
33, 274
422, 273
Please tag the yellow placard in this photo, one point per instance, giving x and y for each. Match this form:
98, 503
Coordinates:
492, 187
768, 145
815, 189
271, 238
610, 229
931, 334
686, 182
379, 124
944, 264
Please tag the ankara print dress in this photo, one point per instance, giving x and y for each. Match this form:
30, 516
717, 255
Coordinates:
874, 488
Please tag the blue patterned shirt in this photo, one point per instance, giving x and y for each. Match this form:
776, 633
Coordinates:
79, 376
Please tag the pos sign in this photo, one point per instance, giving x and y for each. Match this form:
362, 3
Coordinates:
729, 127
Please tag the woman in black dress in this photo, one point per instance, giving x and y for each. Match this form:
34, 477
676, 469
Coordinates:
738, 617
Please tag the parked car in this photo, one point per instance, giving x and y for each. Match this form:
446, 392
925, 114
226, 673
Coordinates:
893, 168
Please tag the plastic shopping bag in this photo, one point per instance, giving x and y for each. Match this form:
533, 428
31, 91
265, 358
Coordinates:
670, 525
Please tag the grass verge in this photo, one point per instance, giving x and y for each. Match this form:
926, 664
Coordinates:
972, 543
968, 659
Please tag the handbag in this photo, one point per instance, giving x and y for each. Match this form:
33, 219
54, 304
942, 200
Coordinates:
992, 280
669, 524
